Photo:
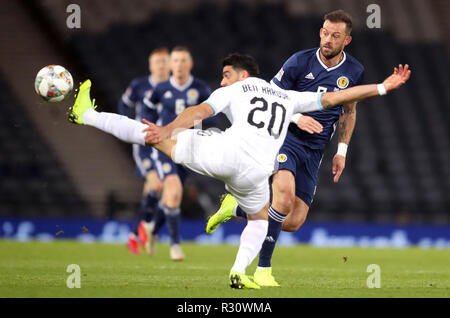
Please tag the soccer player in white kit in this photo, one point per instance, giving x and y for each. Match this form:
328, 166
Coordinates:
244, 155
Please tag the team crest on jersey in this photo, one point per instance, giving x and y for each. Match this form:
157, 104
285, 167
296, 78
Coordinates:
168, 94
166, 167
279, 75
342, 82
281, 158
192, 96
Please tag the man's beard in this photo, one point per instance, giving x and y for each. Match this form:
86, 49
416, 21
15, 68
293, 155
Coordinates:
331, 54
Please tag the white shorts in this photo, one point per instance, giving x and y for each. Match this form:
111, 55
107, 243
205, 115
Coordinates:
216, 155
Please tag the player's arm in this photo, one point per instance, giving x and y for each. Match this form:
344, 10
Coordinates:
346, 126
216, 102
185, 120
361, 92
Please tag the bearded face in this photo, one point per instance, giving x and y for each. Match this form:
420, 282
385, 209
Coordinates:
333, 39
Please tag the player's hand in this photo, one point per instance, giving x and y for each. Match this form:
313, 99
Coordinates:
338, 167
154, 134
398, 78
309, 125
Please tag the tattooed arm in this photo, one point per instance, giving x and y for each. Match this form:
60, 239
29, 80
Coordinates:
346, 126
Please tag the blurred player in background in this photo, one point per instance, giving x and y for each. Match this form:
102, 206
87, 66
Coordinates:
244, 155
131, 104
172, 97
324, 69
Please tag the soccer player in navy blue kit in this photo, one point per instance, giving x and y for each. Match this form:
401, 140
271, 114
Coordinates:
324, 69
174, 96
327, 68
132, 102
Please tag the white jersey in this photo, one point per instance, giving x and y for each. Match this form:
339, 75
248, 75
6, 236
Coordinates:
260, 113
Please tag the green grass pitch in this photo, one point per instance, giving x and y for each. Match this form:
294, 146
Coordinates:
37, 269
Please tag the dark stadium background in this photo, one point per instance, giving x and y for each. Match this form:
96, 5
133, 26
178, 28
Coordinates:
397, 170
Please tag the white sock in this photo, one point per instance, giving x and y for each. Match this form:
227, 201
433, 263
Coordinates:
252, 238
122, 127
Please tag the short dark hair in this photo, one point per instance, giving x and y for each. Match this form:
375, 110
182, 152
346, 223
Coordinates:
159, 50
180, 48
340, 16
242, 62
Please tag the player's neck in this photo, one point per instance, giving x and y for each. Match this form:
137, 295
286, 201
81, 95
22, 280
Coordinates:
333, 61
182, 79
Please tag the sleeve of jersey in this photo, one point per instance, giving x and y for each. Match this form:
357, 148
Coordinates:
220, 99
205, 93
285, 78
130, 97
152, 101
305, 102
150, 114
360, 78
127, 100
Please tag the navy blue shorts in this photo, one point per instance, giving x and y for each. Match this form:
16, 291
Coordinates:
143, 159
304, 163
165, 167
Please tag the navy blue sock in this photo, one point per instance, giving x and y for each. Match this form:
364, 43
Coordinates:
275, 223
148, 207
159, 218
151, 205
240, 212
173, 222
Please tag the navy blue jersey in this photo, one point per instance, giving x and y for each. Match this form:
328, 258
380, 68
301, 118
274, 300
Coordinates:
305, 72
132, 99
132, 103
174, 98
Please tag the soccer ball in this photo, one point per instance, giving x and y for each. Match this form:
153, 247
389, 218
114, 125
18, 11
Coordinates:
53, 83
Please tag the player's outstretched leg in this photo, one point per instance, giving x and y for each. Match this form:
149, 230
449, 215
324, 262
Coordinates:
131, 131
224, 214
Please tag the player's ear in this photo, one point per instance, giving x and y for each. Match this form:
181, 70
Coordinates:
244, 74
348, 39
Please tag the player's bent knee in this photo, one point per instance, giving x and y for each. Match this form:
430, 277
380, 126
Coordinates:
283, 187
297, 217
288, 226
283, 199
